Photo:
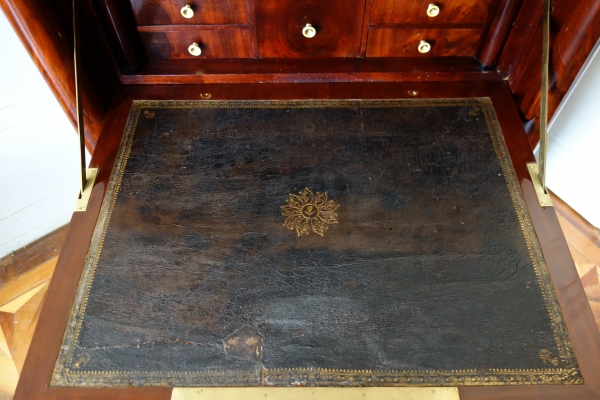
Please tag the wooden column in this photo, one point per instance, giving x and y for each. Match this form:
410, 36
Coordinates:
494, 37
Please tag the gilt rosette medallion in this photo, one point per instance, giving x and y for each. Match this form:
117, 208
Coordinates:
308, 212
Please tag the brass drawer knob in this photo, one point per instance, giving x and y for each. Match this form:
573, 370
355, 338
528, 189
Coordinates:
194, 49
433, 10
187, 11
309, 31
424, 47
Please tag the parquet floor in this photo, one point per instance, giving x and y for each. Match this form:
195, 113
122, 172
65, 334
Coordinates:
24, 278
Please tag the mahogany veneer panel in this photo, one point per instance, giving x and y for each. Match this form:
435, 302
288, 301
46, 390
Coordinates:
393, 42
168, 12
214, 43
415, 12
279, 28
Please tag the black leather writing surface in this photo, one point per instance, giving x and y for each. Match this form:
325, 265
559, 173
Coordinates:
314, 243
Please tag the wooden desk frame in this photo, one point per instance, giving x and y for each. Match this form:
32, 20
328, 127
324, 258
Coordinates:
37, 371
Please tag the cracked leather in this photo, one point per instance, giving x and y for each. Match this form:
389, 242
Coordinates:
427, 268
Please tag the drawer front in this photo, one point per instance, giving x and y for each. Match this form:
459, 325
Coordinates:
168, 12
390, 42
415, 11
214, 43
279, 26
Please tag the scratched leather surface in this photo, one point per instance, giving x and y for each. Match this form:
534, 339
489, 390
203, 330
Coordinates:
427, 268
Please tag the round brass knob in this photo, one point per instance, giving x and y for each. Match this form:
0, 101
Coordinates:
309, 31
187, 11
194, 49
433, 10
424, 47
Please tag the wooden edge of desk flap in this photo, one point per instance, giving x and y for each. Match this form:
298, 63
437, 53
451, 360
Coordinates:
317, 393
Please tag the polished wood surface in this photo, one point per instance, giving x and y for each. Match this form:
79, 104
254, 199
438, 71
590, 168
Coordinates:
168, 12
26, 258
226, 42
578, 316
279, 27
375, 69
394, 42
496, 32
575, 29
415, 12
119, 26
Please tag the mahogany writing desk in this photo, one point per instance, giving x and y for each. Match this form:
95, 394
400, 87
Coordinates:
258, 50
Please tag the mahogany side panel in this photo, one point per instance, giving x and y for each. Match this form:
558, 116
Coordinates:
214, 43
575, 29
496, 32
168, 12
338, 24
119, 26
45, 29
393, 42
415, 11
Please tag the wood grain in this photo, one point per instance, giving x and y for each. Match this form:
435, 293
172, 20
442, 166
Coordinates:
415, 12
496, 32
168, 12
214, 43
16, 264
35, 277
119, 27
279, 28
575, 29
375, 69
390, 42
578, 315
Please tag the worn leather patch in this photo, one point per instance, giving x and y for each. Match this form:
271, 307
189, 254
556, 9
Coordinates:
314, 243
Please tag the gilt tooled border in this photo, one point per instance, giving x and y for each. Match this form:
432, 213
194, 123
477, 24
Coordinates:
63, 375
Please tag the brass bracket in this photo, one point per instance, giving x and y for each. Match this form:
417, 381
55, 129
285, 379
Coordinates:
84, 198
542, 195
316, 393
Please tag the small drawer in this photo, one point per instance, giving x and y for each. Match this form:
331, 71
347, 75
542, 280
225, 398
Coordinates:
214, 42
392, 42
309, 28
416, 11
168, 12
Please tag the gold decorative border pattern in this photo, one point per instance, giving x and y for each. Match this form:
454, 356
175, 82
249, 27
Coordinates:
65, 376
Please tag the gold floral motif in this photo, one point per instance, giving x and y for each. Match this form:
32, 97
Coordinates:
307, 211
546, 357
149, 114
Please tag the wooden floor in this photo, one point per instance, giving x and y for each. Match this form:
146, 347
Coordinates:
25, 274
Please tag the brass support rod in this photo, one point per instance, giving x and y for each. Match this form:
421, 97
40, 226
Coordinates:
78, 101
544, 94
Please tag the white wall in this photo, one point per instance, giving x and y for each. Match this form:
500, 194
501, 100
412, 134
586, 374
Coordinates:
573, 170
38, 151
